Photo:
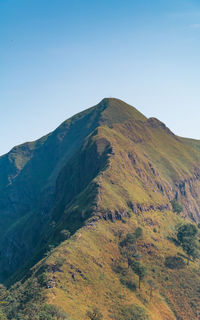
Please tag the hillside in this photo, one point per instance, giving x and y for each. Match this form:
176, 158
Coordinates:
101, 175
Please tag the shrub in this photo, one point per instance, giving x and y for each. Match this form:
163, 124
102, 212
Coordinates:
177, 207
43, 279
174, 240
138, 233
174, 262
130, 284
95, 314
131, 238
120, 269
187, 237
139, 269
128, 246
185, 231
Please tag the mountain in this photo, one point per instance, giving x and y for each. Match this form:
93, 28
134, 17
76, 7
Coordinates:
105, 173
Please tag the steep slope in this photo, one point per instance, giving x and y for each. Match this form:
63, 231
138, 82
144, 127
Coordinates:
100, 175
30, 172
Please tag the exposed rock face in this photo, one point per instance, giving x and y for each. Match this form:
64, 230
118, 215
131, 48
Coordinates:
187, 192
113, 216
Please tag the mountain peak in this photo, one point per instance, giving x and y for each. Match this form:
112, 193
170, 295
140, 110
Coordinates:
117, 111
110, 100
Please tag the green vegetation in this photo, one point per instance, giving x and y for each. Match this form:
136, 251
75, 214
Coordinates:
187, 237
128, 245
95, 314
128, 249
128, 282
27, 301
51, 312
139, 269
125, 276
174, 262
177, 207
95, 218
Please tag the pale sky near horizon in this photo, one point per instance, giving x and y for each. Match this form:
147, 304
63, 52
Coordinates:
59, 57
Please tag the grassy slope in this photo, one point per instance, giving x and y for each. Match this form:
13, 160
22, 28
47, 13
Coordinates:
91, 253
145, 155
94, 250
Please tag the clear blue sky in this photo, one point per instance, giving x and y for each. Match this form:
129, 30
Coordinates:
58, 57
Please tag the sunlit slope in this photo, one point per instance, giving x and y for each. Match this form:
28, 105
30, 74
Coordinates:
146, 166
108, 171
93, 273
